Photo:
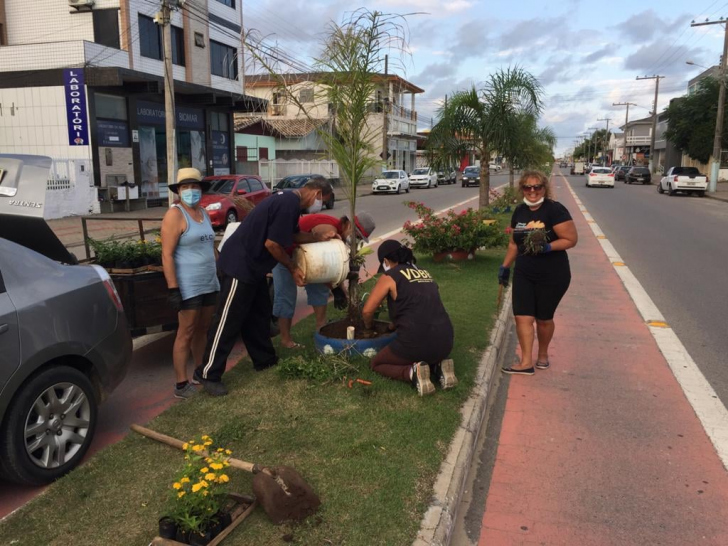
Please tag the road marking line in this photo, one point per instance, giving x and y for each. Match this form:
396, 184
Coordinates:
711, 412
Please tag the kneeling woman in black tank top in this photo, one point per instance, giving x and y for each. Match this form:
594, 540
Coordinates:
424, 331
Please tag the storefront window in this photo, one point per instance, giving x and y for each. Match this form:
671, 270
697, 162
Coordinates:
220, 143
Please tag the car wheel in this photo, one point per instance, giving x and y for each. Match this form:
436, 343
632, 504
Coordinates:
231, 217
701, 193
659, 188
399, 189
49, 426
463, 184
407, 190
670, 191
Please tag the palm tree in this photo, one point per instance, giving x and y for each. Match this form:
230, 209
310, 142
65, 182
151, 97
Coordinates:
532, 146
485, 120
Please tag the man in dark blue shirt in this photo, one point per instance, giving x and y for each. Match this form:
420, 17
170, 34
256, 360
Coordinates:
244, 305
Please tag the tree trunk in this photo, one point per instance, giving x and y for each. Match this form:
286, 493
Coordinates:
511, 176
484, 200
352, 312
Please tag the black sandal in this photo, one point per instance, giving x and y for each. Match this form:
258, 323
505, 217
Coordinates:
525, 371
542, 365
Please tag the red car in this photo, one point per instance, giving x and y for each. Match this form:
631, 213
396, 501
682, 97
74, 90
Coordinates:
232, 196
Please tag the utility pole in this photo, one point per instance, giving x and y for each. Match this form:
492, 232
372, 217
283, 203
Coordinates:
385, 108
606, 137
718, 136
654, 118
590, 145
164, 18
626, 121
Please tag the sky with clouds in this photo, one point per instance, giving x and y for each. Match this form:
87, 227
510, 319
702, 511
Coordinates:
586, 54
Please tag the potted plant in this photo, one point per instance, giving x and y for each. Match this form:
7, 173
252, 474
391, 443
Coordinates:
452, 236
198, 495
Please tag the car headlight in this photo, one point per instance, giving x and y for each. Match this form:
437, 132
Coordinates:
214, 206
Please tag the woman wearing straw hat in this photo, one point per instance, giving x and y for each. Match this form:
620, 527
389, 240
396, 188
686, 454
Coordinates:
188, 257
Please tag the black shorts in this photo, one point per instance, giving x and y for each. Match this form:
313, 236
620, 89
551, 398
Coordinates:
537, 298
203, 300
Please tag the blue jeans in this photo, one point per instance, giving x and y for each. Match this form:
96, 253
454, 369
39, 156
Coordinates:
286, 291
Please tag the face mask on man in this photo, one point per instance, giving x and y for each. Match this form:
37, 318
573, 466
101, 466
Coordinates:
190, 197
386, 266
318, 204
533, 203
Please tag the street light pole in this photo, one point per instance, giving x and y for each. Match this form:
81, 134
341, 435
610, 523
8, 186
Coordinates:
718, 136
590, 144
657, 79
626, 121
169, 113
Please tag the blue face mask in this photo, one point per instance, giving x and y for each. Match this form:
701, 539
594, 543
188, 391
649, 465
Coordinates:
190, 197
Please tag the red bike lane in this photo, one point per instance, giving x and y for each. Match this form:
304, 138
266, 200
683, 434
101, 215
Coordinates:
603, 448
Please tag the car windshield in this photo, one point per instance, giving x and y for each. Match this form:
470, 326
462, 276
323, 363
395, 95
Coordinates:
471, 170
601, 170
292, 182
390, 174
624, 168
686, 171
216, 185
421, 171
641, 170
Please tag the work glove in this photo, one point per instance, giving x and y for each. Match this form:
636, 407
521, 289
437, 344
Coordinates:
504, 275
340, 299
546, 248
174, 298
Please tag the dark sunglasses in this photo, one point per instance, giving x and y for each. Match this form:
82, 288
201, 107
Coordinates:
537, 187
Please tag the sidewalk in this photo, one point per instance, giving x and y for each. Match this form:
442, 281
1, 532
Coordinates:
721, 192
603, 448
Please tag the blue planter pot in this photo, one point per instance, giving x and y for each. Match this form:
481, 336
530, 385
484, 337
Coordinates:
352, 347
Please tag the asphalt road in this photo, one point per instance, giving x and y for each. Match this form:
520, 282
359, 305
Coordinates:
677, 247
147, 389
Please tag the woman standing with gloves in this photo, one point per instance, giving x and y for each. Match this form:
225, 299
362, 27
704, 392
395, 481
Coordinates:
542, 231
188, 257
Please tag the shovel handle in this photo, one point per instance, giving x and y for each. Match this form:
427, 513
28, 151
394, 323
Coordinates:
174, 442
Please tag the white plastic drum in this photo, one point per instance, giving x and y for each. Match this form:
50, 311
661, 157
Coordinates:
326, 262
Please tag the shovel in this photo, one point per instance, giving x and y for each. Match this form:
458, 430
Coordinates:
280, 490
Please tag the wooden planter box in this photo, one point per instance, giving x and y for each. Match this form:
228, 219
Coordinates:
144, 297
244, 505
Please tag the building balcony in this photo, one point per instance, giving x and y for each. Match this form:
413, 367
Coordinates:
638, 141
52, 55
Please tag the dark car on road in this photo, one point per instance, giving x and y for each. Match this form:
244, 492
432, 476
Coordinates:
64, 341
471, 176
297, 181
639, 174
620, 173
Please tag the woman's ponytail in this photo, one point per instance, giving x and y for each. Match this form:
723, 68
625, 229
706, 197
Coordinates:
402, 255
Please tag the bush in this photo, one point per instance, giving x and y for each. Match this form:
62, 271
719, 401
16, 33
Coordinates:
127, 254
468, 230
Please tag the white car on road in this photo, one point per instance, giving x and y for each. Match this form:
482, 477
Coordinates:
423, 177
600, 177
495, 167
684, 179
391, 182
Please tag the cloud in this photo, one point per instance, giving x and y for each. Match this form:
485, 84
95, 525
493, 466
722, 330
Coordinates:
644, 26
472, 40
661, 56
436, 71
599, 54
430, 6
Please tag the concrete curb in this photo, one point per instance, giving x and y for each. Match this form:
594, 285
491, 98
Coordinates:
437, 526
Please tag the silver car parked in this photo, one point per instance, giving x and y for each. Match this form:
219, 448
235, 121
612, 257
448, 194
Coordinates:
64, 342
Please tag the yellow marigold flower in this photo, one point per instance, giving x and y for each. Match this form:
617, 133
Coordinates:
204, 470
204, 494
216, 466
177, 485
210, 476
185, 446
196, 487
206, 437
226, 463
185, 480
208, 460
203, 483
223, 478
198, 448
219, 450
228, 452
180, 494
208, 443
191, 441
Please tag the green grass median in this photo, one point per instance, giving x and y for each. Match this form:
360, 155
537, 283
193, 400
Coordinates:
372, 453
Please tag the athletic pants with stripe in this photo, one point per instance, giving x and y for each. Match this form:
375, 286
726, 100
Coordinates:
243, 309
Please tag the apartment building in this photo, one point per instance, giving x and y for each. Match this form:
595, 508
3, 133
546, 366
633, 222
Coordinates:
295, 130
82, 80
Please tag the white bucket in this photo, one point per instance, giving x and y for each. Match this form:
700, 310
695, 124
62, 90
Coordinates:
326, 262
